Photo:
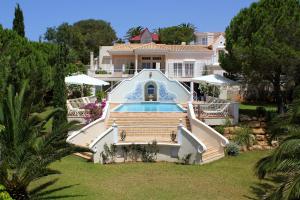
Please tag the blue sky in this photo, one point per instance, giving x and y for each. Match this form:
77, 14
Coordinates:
206, 15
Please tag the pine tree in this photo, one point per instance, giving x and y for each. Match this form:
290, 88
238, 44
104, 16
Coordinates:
18, 23
59, 88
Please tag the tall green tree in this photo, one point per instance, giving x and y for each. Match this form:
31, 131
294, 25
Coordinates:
18, 23
263, 43
21, 59
177, 34
133, 31
28, 147
83, 36
59, 88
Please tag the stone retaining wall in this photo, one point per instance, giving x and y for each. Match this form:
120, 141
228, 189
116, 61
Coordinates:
259, 129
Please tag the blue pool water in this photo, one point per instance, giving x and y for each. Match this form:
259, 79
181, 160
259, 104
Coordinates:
149, 107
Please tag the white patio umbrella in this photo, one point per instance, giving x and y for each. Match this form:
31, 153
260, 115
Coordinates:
214, 79
82, 79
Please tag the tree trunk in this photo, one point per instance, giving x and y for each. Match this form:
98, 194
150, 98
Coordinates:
278, 93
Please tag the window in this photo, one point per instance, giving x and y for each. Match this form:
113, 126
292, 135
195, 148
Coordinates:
106, 60
204, 41
146, 58
189, 69
177, 69
146, 65
151, 89
156, 58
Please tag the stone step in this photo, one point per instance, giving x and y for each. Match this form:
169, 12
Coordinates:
212, 157
85, 155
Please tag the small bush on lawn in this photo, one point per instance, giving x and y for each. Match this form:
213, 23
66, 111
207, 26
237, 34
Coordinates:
109, 153
232, 149
185, 160
149, 152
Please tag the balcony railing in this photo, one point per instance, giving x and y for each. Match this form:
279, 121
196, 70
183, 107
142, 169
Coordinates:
111, 71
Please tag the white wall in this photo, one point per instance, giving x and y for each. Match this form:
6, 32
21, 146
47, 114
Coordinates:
128, 86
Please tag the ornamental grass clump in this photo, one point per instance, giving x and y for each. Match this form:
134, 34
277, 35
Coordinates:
244, 137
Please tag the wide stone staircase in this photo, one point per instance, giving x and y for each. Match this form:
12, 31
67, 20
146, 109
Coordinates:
146, 127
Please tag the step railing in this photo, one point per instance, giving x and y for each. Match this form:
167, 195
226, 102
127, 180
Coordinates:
108, 90
195, 97
205, 132
88, 133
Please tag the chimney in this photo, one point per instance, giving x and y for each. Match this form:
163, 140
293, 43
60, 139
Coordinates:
183, 43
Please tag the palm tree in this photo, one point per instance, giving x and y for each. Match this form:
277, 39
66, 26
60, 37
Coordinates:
284, 162
188, 26
28, 146
134, 31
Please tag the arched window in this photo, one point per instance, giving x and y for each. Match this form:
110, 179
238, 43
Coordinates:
150, 89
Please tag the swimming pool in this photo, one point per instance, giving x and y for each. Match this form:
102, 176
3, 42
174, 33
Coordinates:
149, 107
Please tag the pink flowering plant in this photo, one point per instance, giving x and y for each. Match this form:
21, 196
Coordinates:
94, 111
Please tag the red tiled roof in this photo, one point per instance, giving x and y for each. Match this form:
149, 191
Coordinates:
154, 36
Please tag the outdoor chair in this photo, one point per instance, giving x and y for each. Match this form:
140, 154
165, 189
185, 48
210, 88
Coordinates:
221, 111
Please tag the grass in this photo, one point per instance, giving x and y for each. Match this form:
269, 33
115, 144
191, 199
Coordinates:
250, 109
268, 107
228, 178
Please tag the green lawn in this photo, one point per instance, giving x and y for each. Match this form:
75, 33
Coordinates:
268, 107
250, 109
228, 178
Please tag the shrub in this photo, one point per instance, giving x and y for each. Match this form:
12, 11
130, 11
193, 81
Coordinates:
233, 149
3, 194
123, 135
134, 151
100, 94
149, 152
95, 112
220, 129
185, 160
173, 136
244, 137
109, 153
261, 111
209, 90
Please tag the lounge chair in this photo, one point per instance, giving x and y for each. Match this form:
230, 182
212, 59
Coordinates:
222, 111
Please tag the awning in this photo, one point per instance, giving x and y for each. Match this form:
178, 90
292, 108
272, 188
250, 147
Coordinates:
214, 79
82, 79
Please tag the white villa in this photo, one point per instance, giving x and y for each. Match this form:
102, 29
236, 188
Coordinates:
150, 101
179, 62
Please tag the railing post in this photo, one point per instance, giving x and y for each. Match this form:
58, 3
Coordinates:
115, 131
179, 131
136, 64
199, 112
192, 92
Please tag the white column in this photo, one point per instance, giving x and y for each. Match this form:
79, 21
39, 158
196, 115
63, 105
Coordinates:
115, 131
192, 91
92, 60
166, 67
136, 64
111, 65
157, 65
179, 132
99, 58
183, 69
